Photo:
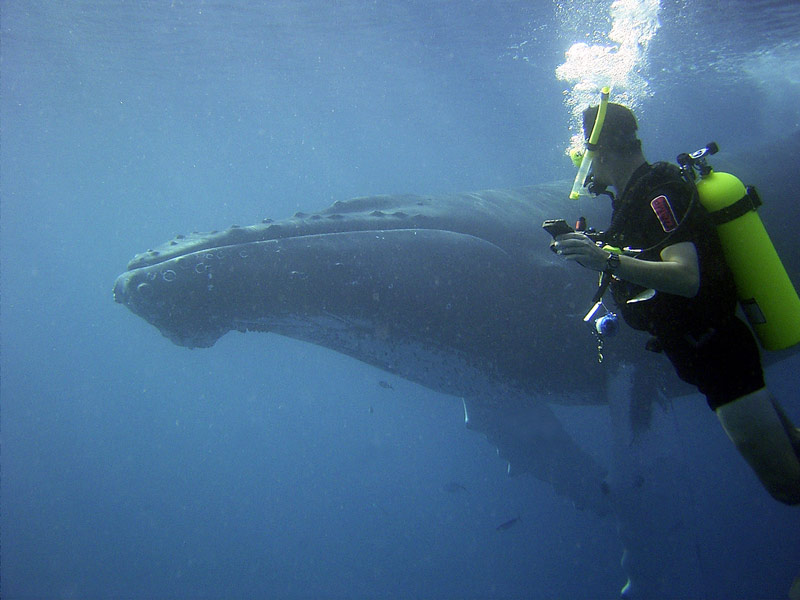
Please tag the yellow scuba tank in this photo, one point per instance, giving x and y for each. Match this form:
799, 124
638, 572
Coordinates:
766, 293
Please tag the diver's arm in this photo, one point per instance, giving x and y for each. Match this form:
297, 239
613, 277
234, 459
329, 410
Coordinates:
677, 272
683, 276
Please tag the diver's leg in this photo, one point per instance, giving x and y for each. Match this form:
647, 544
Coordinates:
792, 431
767, 440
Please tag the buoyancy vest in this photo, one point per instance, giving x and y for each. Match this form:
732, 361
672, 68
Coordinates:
657, 210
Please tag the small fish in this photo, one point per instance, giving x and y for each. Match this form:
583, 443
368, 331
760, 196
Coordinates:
385, 384
508, 524
454, 487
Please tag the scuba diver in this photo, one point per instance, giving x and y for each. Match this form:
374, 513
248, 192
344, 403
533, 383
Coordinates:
678, 287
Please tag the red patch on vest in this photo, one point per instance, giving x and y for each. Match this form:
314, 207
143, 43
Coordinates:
666, 216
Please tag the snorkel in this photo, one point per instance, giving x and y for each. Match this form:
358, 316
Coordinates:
591, 147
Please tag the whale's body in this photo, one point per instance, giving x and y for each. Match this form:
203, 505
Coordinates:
458, 293
392, 281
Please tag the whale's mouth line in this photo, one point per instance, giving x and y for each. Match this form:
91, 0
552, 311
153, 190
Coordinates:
194, 245
387, 253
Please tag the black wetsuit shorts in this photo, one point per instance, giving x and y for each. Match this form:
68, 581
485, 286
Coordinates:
724, 362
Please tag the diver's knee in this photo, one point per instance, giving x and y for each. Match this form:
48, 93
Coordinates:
765, 437
790, 496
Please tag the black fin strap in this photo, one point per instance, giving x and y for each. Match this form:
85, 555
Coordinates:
750, 201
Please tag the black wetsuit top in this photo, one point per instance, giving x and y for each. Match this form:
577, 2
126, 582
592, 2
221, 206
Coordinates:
705, 341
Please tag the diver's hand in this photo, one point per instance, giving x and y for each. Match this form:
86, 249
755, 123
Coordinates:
581, 249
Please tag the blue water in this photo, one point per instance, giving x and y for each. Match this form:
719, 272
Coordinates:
263, 467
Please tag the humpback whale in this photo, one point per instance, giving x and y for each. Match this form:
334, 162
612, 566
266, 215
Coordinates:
457, 292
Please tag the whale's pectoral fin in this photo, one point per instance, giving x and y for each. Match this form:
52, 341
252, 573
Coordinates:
532, 440
794, 591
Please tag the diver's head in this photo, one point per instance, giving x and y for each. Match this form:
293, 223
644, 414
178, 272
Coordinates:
618, 134
618, 149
